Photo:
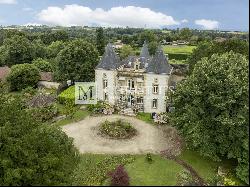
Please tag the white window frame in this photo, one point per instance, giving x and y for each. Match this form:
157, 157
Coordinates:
105, 83
154, 103
155, 88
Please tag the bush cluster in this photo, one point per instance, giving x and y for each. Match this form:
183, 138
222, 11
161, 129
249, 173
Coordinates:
23, 76
42, 65
43, 114
118, 129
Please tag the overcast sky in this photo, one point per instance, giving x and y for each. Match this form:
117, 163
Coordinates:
200, 14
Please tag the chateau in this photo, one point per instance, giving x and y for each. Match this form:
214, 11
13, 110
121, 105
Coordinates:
138, 82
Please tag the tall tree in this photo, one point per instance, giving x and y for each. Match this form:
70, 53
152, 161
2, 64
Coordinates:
148, 36
208, 48
100, 41
31, 153
125, 51
77, 61
211, 109
17, 50
185, 34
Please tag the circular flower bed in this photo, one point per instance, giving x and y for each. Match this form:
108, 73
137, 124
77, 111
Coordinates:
117, 129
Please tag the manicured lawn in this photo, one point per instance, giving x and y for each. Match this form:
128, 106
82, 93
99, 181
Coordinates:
185, 49
145, 117
205, 167
161, 172
93, 169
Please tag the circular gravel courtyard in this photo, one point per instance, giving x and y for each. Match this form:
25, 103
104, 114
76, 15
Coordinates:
150, 138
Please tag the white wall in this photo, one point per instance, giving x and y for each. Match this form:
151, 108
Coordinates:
111, 85
161, 96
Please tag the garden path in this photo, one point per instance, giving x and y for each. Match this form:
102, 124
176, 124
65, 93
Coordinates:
150, 138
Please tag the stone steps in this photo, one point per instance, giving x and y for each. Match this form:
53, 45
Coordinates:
127, 112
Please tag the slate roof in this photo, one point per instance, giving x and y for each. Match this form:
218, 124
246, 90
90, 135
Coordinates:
159, 64
129, 61
144, 51
109, 60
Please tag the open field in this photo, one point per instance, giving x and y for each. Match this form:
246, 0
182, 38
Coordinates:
185, 49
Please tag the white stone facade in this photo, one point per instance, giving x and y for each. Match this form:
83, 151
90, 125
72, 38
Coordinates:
140, 83
143, 87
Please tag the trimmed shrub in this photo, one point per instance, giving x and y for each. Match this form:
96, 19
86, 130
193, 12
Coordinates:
67, 95
23, 76
178, 56
119, 177
42, 65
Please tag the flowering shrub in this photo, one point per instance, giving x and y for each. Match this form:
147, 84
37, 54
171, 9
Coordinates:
118, 129
43, 114
119, 177
101, 107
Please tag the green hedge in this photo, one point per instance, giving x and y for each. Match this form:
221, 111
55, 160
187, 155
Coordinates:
178, 56
67, 95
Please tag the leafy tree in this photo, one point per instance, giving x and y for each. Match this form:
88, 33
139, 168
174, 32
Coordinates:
148, 36
185, 34
77, 61
23, 76
208, 48
49, 37
42, 65
126, 51
100, 41
152, 47
211, 109
32, 153
17, 50
40, 50
54, 48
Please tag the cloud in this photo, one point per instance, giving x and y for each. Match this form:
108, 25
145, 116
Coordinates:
73, 15
207, 24
27, 9
8, 2
184, 21
32, 24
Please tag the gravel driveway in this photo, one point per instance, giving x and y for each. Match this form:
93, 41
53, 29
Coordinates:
150, 138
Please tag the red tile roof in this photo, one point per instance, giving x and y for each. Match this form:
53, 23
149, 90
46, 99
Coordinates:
4, 72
